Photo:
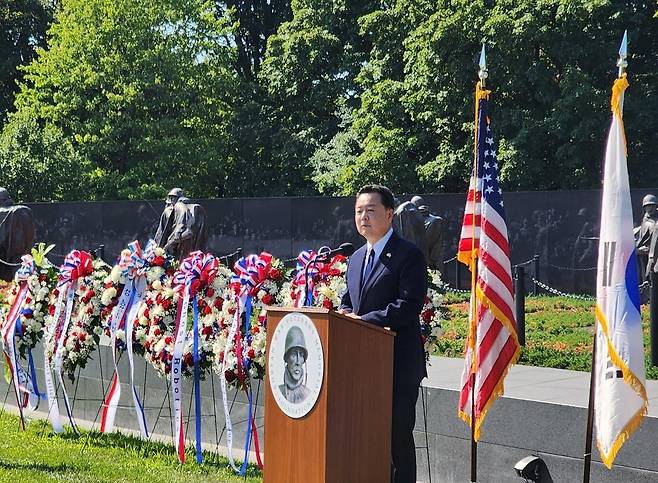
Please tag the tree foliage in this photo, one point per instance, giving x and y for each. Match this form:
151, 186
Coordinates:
294, 97
142, 91
23, 25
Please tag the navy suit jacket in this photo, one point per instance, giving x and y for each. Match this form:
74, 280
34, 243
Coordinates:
392, 296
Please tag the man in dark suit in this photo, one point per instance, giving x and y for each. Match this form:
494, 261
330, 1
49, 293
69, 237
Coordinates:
386, 286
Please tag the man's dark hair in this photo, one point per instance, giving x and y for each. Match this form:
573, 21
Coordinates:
385, 194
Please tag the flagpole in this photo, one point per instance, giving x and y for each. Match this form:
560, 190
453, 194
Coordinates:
482, 74
590, 413
621, 64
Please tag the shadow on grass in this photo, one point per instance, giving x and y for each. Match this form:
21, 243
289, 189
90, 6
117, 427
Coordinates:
40, 467
146, 449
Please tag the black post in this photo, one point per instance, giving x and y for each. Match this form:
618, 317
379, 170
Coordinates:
535, 262
653, 311
458, 274
101, 252
587, 460
519, 289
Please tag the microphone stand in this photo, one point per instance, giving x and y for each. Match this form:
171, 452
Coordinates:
322, 252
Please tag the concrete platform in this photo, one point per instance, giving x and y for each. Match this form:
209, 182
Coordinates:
543, 412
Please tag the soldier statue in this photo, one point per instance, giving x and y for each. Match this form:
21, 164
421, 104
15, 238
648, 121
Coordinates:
173, 223
644, 235
434, 230
16, 234
195, 236
183, 228
409, 224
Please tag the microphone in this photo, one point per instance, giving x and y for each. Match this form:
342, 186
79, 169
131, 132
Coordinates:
345, 249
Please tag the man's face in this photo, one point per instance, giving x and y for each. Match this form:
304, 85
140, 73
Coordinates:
372, 219
171, 199
651, 210
295, 363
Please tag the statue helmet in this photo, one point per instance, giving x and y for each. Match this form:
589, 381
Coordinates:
418, 201
177, 192
649, 200
4, 194
295, 339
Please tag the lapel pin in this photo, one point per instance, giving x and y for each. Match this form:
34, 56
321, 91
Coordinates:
388, 254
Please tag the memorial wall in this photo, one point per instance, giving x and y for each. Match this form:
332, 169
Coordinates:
559, 226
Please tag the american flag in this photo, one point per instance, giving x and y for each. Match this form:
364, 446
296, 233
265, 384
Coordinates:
492, 345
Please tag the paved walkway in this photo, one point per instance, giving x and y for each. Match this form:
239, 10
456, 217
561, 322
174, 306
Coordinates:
557, 386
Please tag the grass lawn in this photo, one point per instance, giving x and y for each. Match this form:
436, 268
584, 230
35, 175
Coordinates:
38, 455
559, 332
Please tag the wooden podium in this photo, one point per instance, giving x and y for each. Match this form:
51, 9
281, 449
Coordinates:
346, 437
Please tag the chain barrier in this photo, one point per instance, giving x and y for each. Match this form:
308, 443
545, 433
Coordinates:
560, 293
10, 264
572, 269
450, 260
523, 264
448, 288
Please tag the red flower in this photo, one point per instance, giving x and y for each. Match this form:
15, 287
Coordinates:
51, 310
255, 329
207, 310
188, 359
274, 274
210, 292
43, 277
83, 337
168, 340
147, 313
251, 354
230, 376
159, 261
166, 304
157, 332
268, 299
327, 304
426, 315
219, 303
207, 330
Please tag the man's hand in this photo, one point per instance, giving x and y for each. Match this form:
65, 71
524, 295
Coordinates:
353, 315
344, 311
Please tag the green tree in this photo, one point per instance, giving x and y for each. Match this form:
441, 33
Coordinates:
551, 69
309, 71
142, 90
23, 25
40, 163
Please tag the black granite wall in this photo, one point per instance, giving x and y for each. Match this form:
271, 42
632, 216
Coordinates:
555, 225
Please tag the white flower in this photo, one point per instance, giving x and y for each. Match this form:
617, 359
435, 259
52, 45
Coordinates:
115, 274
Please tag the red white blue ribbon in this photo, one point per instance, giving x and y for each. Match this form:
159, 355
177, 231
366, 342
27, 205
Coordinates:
304, 279
20, 379
133, 264
249, 273
77, 264
196, 271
